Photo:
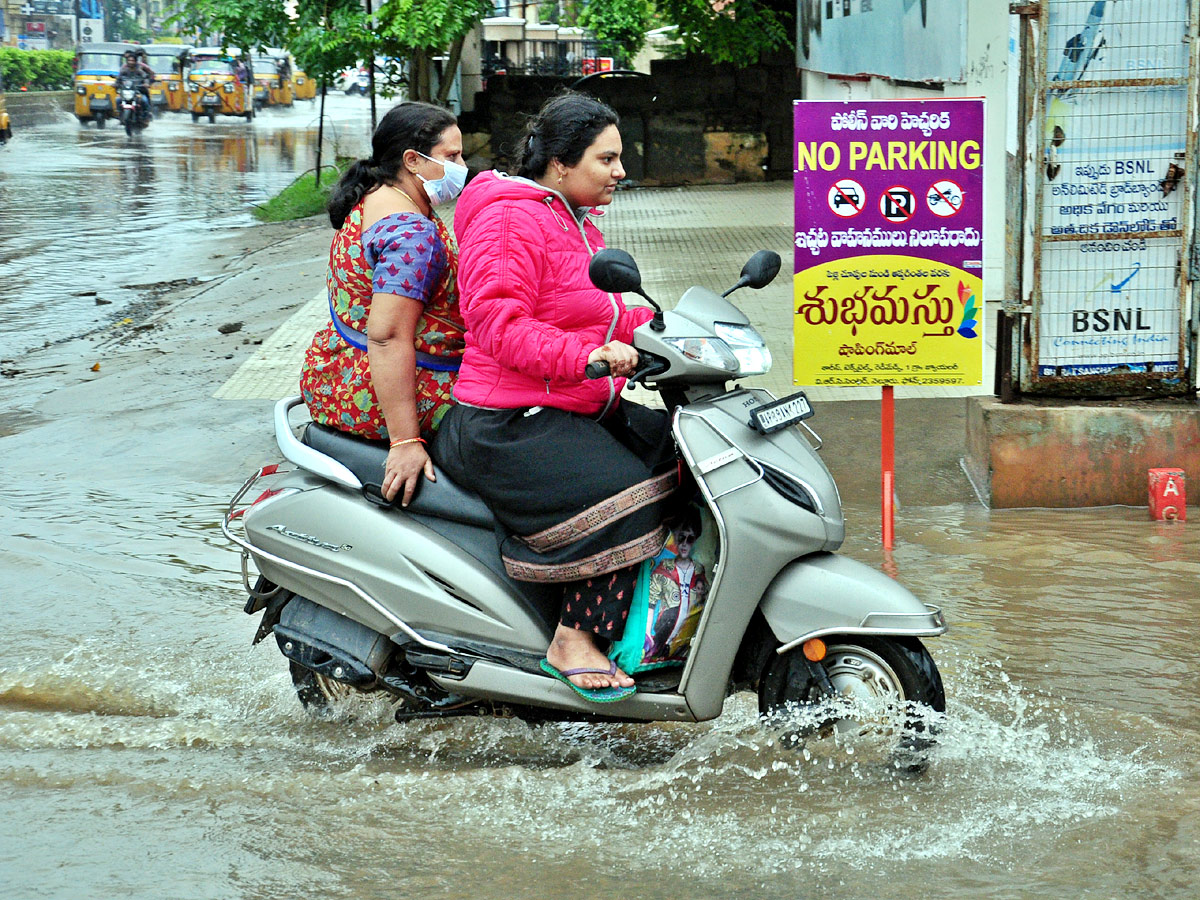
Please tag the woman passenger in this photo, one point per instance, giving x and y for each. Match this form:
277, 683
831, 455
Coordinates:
572, 473
384, 367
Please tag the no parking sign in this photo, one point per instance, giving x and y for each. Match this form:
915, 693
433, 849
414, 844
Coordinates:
889, 249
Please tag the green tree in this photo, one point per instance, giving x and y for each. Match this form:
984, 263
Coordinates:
619, 26
327, 36
421, 30
246, 24
121, 22
737, 31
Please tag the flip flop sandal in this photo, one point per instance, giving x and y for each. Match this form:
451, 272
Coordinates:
595, 695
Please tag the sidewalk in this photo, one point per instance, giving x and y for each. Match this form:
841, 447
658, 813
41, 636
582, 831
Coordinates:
679, 237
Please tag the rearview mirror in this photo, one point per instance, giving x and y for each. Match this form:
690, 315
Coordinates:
761, 269
615, 271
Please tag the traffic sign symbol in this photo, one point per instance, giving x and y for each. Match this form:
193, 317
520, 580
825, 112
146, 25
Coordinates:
847, 198
944, 198
897, 204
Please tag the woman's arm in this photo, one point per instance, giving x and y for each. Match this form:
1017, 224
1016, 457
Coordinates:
391, 331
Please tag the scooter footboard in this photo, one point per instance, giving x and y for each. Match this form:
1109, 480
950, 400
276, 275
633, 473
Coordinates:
830, 594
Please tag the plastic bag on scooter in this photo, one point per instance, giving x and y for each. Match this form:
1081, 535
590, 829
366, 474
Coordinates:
669, 598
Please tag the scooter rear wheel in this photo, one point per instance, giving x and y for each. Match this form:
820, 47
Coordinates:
884, 687
318, 693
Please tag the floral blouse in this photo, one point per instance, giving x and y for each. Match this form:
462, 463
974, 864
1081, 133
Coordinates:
405, 254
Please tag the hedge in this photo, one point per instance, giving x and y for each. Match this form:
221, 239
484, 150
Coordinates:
36, 70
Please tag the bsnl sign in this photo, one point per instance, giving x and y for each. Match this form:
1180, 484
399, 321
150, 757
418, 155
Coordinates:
1100, 321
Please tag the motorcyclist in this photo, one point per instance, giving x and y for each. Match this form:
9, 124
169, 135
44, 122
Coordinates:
137, 69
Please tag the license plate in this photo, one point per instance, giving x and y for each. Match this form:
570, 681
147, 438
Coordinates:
211, 101
781, 413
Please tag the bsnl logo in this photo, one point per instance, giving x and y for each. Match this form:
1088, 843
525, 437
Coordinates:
1099, 321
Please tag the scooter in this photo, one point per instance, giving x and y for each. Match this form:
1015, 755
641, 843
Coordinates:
133, 108
364, 596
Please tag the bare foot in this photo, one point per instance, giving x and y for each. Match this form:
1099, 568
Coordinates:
574, 649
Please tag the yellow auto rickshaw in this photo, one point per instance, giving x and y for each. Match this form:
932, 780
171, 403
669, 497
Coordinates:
273, 76
5, 123
303, 87
95, 81
168, 62
219, 82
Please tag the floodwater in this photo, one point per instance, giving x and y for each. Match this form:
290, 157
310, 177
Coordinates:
97, 220
147, 751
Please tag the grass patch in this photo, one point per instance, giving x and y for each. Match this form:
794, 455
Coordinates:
302, 198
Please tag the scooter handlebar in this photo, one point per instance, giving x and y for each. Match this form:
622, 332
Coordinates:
597, 369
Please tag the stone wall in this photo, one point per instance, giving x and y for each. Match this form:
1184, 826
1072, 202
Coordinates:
686, 123
1060, 454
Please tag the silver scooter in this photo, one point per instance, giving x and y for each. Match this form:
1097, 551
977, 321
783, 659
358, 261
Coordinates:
363, 595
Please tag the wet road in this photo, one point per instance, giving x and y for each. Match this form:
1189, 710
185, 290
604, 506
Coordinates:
91, 221
146, 751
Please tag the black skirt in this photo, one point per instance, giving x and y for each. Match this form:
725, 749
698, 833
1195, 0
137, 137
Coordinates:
576, 497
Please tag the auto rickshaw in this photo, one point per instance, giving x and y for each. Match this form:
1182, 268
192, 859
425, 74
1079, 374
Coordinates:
273, 76
303, 87
95, 81
219, 82
5, 123
168, 62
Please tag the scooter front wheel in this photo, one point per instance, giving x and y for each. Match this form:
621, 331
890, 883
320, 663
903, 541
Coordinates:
887, 690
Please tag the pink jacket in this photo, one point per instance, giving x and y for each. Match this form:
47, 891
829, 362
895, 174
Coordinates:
532, 314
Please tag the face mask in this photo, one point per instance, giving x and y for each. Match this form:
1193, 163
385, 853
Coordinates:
449, 186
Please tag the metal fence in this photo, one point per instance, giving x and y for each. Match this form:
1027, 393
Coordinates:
1111, 87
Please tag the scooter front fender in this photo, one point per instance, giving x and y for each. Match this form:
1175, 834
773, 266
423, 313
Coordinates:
825, 593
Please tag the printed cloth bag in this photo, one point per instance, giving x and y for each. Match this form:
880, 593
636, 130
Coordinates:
669, 598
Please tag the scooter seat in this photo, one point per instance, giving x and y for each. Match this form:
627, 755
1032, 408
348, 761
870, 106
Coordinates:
442, 499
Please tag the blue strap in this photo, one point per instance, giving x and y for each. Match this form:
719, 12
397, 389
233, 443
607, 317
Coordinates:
351, 336
438, 363
356, 338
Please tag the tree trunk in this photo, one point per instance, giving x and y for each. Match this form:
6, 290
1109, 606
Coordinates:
416, 76
449, 70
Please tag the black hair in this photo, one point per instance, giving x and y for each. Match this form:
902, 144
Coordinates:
566, 125
407, 126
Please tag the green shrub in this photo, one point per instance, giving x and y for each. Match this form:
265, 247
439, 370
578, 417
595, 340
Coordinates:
36, 70
302, 198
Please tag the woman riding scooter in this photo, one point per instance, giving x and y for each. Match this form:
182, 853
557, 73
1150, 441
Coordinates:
572, 473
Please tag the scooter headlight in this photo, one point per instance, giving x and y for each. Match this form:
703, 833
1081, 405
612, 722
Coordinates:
706, 351
748, 347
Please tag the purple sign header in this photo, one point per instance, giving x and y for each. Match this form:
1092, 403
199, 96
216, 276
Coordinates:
894, 177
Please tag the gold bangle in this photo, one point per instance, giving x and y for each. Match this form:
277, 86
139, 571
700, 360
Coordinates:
416, 440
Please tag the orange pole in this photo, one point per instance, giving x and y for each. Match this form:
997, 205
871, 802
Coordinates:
887, 441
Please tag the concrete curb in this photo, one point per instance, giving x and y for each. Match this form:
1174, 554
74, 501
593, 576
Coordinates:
27, 109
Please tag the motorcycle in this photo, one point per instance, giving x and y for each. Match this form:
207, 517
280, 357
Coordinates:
365, 596
133, 107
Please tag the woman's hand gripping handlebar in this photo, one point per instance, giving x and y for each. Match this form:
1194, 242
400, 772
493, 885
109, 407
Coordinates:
614, 358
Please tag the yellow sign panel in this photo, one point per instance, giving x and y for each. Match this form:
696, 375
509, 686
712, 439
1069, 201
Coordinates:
887, 320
